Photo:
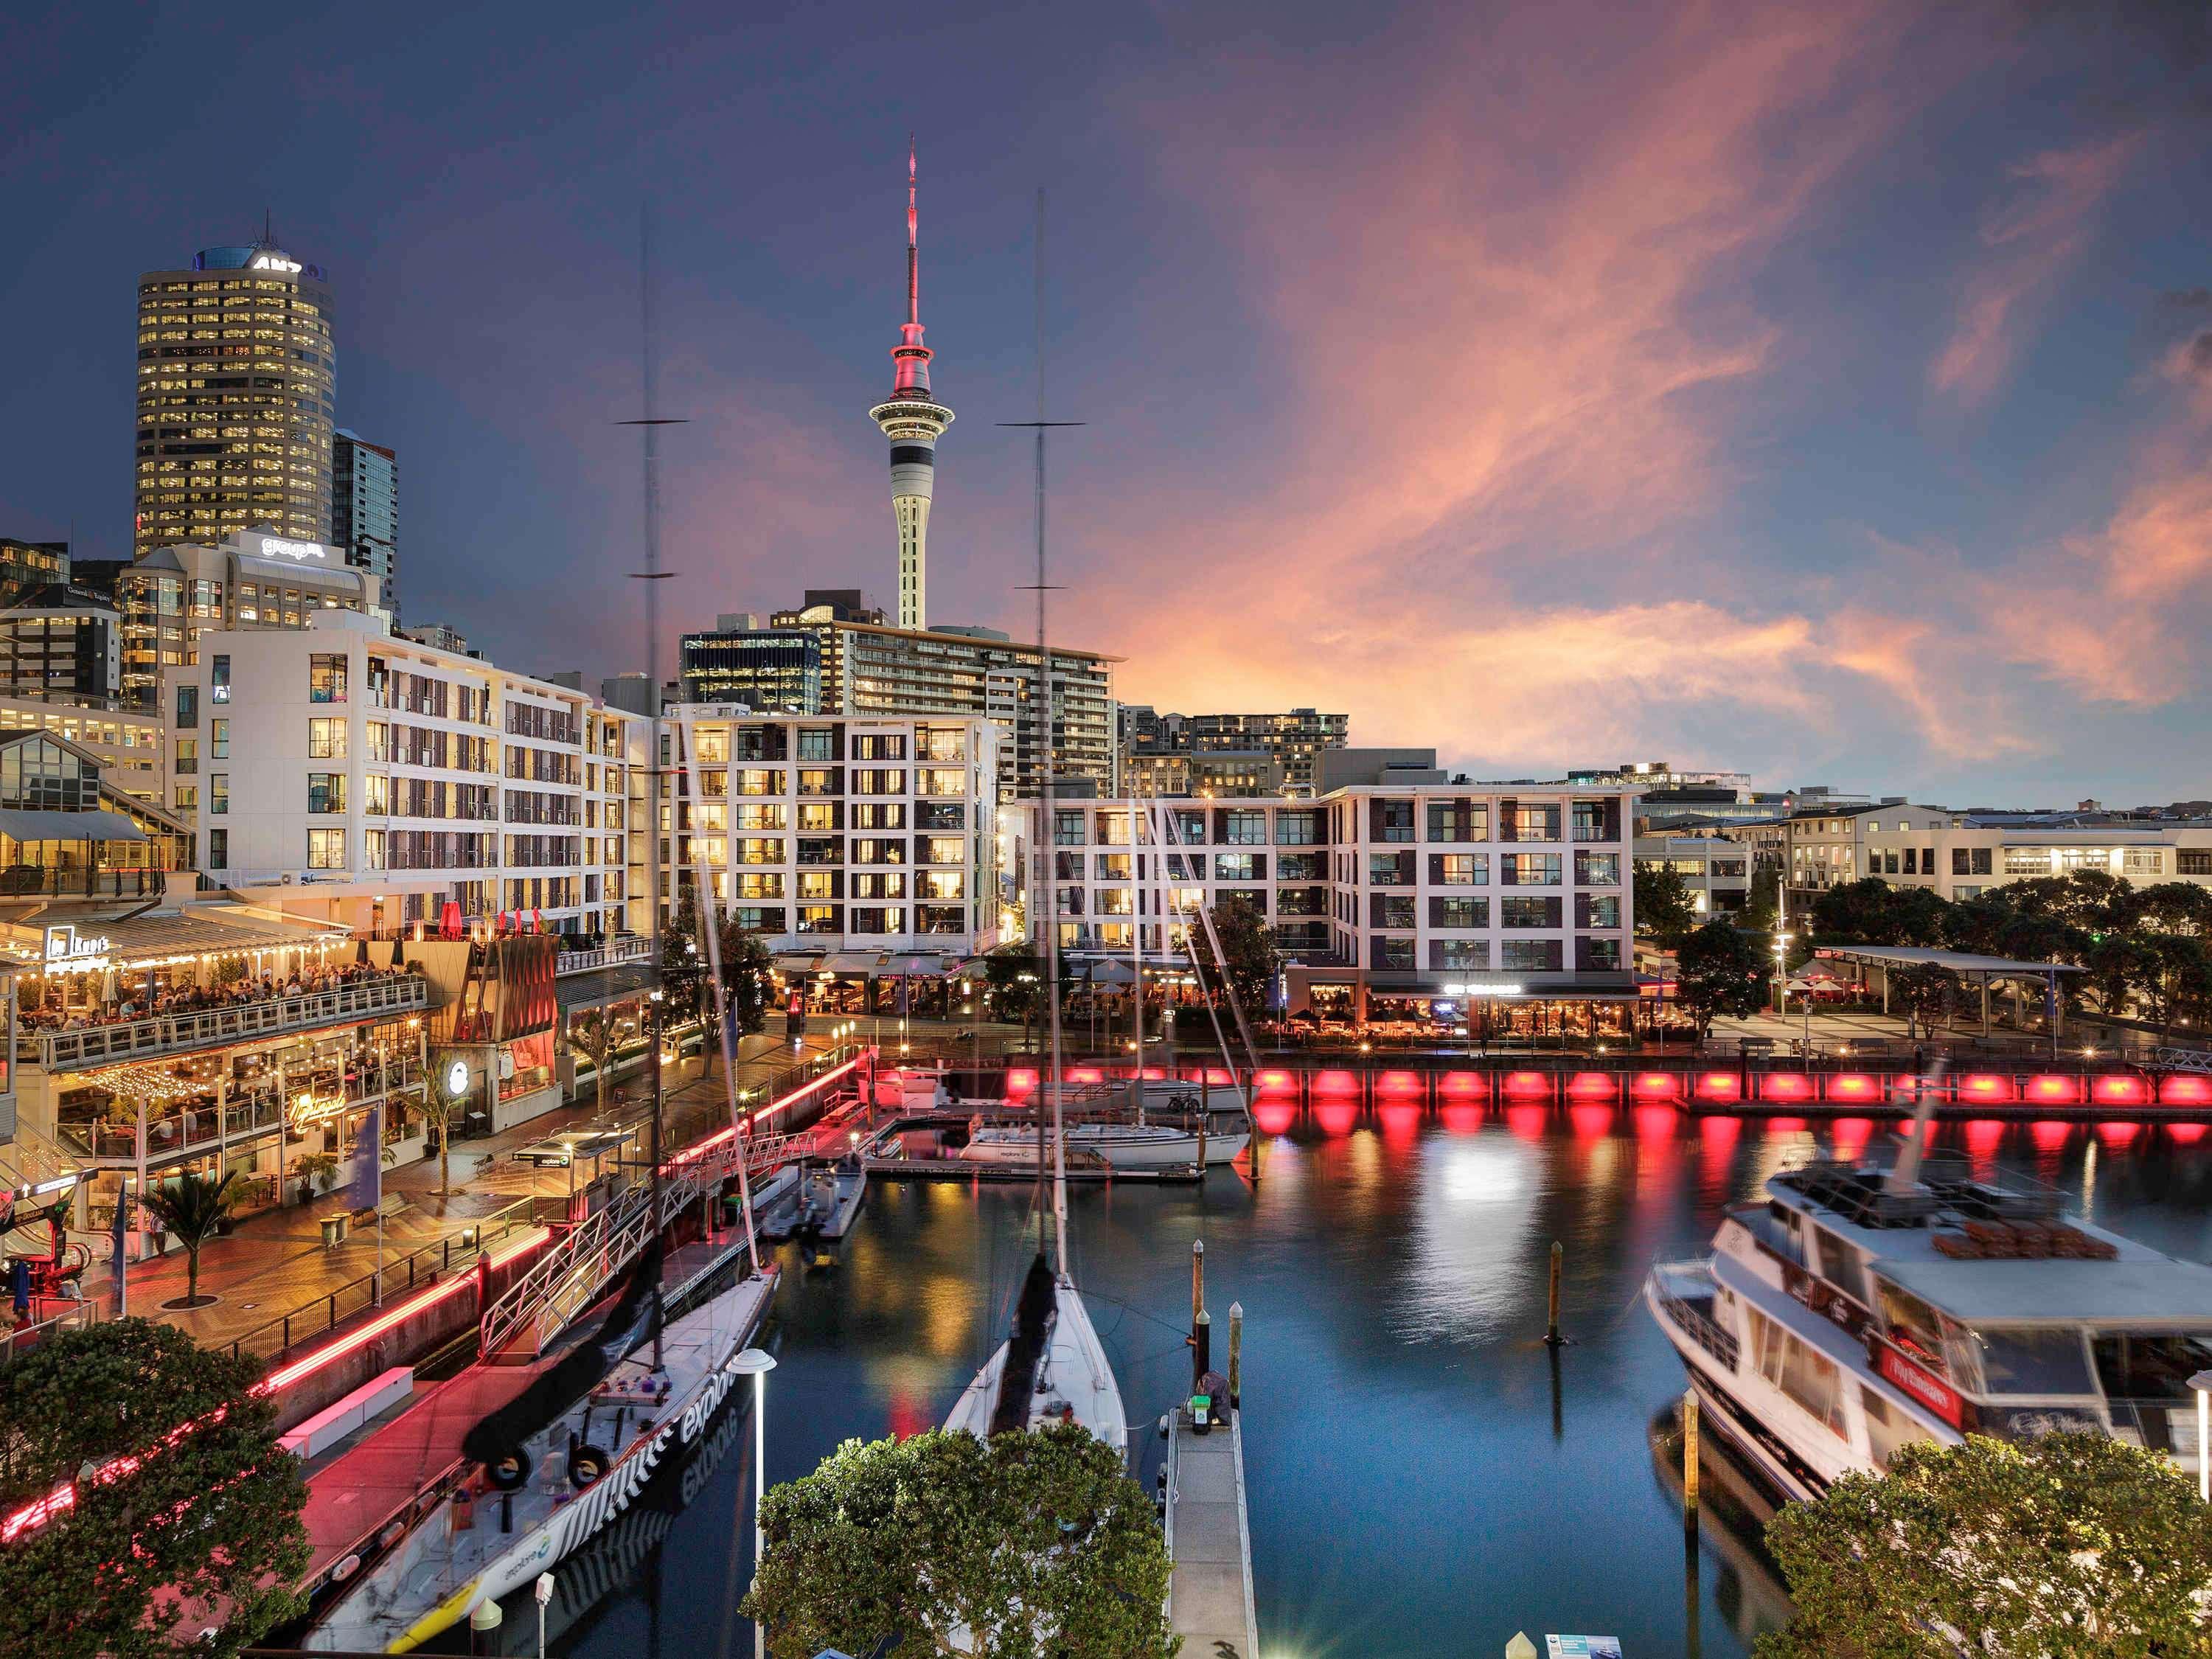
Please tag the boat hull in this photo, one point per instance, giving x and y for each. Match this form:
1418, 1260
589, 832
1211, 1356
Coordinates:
1078, 1379
374, 1617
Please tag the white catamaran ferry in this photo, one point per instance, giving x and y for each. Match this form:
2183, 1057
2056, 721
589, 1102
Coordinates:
1864, 1305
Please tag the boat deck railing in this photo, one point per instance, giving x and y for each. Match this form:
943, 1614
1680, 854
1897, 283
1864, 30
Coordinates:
1686, 1290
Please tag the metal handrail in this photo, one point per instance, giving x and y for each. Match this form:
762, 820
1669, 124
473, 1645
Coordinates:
167, 1034
567, 1279
401, 1274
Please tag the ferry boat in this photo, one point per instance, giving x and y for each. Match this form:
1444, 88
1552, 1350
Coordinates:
1867, 1304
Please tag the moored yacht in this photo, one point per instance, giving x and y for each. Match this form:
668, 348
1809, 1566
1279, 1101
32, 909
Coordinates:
1866, 1304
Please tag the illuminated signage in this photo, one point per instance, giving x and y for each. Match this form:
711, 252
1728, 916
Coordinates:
457, 1079
1929, 1390
282, 547
67, 952
274, 262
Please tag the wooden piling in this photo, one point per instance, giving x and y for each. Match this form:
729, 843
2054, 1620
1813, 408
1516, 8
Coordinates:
1690, 1457
1197, 1280
1235, 1356
1551, 1326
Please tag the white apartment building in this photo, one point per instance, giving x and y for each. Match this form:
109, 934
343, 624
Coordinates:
1962, 859
128, 743
1518, 891
852, 834
1828, 842
345, 774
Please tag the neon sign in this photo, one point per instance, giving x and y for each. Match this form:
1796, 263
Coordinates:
274, 262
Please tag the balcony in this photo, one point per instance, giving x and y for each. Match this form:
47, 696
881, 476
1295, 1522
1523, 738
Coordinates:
192, 1131
621, 952
219, 1028
52, 881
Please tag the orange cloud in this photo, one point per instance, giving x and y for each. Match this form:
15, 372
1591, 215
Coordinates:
1511, 314
2033, 238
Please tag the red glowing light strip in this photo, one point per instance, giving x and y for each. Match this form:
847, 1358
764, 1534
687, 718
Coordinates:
369, 1333
692, 1153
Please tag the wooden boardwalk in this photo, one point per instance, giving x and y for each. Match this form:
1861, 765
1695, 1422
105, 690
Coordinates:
1210, 1539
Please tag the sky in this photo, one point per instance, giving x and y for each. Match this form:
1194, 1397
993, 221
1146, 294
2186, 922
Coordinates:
1822, 391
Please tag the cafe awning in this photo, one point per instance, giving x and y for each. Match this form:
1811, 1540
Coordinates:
193, 929
36, 823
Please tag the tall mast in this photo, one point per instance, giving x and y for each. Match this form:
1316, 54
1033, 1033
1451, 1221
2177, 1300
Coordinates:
1044, 760
1045, 841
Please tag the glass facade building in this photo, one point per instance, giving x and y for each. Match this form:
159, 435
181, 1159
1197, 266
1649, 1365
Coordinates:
236, 380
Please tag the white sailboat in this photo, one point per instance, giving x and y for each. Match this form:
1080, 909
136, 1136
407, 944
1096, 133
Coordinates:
1052, 1367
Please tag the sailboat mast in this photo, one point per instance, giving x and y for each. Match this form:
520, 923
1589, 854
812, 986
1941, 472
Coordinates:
1044, 760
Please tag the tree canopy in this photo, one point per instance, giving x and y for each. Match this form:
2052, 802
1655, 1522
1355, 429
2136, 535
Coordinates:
1928, 992
1030, 1543
1718, 972
1247, 952
1665, 910
2071, 1545
207, 1521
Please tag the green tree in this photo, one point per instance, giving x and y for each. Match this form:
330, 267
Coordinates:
746, 965
1666, 909
1717, 971
2120, 965
1928, 991
1247, 964
593, 1034
1013, 983
1032, 1543
203, 1531
684, 977
191, 1207
1871, 911
2072, 1544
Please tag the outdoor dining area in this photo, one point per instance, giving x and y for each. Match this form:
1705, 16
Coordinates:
285, 1118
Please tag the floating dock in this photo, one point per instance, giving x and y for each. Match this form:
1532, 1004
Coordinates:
1210, 1540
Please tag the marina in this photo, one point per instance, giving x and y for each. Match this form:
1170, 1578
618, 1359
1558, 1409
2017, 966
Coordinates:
1393, 1268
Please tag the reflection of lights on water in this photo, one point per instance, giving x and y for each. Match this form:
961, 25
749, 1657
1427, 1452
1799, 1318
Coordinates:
2049, 1135
1488, 1171
2187, 1133
1459, 1118
1401, 1121
1851, 1135
1336, 1118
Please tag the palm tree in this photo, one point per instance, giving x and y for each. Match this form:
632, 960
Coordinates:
192, 1207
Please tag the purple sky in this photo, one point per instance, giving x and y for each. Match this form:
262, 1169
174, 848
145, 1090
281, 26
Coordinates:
1821, 389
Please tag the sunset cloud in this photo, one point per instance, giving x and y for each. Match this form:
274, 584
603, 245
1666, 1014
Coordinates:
2033, 236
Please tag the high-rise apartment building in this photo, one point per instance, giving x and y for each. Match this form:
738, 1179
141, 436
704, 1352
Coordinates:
771, 670
876, 834
236, 379
365, 510
59, 641
1293, 741
868, 667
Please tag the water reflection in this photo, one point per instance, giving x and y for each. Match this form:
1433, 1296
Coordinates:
1425, 1475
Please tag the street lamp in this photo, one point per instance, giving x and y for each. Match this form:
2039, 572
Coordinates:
2202, 1383
756, 1364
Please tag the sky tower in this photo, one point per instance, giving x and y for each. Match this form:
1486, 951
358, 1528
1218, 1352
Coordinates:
912, 420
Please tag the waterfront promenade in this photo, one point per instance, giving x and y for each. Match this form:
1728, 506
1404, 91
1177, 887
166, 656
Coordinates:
275, 1263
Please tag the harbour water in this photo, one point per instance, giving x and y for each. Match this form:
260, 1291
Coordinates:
1422, 1481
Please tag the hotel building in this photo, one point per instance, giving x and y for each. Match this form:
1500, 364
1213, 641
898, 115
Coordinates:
345, 774
236, 377
854, 844
250, 579
1383, 897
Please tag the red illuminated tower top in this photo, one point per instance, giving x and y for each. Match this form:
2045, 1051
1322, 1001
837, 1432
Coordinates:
910, 377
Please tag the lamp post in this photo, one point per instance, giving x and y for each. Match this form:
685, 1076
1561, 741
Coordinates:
2202, 1383
656, 1006
756, 1364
